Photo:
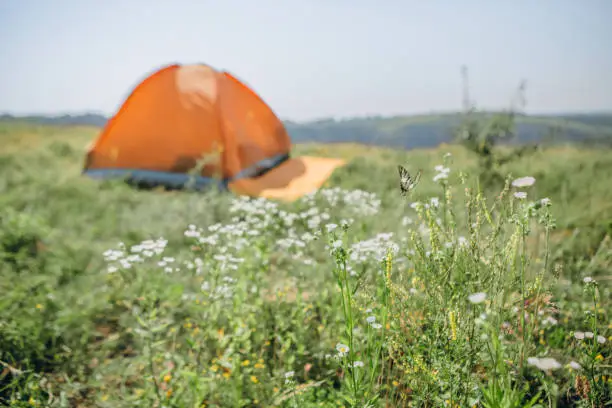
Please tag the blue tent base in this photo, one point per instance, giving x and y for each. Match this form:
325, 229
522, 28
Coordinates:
149, 178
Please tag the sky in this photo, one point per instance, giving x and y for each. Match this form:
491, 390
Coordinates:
312, 59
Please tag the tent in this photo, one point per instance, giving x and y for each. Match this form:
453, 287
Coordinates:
184, 115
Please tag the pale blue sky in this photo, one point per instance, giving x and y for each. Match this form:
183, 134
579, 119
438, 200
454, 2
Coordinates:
311, 58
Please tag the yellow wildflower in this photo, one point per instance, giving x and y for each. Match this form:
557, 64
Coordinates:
453, 325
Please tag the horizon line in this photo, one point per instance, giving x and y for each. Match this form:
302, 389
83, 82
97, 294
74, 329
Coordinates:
324, 118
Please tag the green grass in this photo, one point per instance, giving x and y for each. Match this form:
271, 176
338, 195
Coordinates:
255, 302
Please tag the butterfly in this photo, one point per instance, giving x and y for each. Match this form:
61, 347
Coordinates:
407, 183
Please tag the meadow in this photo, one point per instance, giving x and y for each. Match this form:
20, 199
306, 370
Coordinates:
459, 295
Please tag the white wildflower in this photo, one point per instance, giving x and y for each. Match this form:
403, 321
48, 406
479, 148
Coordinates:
524, 182
440, 176
551, 320
462, 241
331, 227
342, 349
477, 297
544, 364
520, 195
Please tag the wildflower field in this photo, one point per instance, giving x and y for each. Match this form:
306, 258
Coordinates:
457, 295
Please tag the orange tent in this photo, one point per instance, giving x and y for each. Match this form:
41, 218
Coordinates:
183, 113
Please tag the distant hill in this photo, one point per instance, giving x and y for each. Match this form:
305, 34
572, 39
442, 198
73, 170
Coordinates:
431, 130
409, 131
87, 119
